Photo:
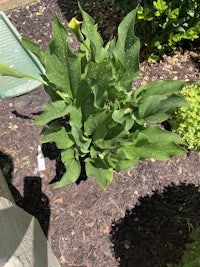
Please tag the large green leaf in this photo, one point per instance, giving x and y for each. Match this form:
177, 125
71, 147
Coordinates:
73, 168
100, 77
159, 151
75, 121
154, 142
121, 161
63, 68
125, 164
156, 100
155, 134
158, 108
127, 51
89, 29
151, 106
52, 111
57, 134
75, 116
99, 170
121, 116
85, 99
166, 88
95, 121
116, 131
114, 138
82, 142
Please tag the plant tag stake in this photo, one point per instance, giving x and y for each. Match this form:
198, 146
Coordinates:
40, 158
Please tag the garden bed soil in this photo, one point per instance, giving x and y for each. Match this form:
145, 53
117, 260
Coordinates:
144, 216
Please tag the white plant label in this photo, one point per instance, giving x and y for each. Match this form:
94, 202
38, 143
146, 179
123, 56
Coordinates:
40, 158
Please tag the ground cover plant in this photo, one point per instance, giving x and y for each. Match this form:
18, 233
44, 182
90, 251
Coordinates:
95, 118
186, 121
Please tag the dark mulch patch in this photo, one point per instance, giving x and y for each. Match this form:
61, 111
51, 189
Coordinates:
154, 233
145, 214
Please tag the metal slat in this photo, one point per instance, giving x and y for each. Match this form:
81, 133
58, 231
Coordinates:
13, 54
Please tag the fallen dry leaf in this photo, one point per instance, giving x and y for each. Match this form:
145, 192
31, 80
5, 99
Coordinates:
73, 233
91, 224
13, 127
58, 200
63, 259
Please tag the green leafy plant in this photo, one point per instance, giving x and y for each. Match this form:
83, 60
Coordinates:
169, 23
95, 118
191, 256
186, 121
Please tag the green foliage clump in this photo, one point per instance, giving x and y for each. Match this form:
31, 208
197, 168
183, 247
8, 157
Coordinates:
186, 121
168, 23
191, 256
96, 120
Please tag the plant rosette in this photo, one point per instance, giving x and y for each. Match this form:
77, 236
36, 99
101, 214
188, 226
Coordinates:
94, 117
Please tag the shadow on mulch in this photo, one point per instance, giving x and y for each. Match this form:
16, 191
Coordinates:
195, 59
161, 224
34, 201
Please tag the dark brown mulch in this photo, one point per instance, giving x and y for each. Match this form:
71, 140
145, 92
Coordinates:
145, 215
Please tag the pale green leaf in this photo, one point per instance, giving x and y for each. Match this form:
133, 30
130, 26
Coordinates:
121, 116
125, 164
159, 151
98, 170
8, 71
52, 111
75, 116
57, 134
96, 120
80, 140
73, 169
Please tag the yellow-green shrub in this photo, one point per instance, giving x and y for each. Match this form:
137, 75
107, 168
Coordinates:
186, 121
